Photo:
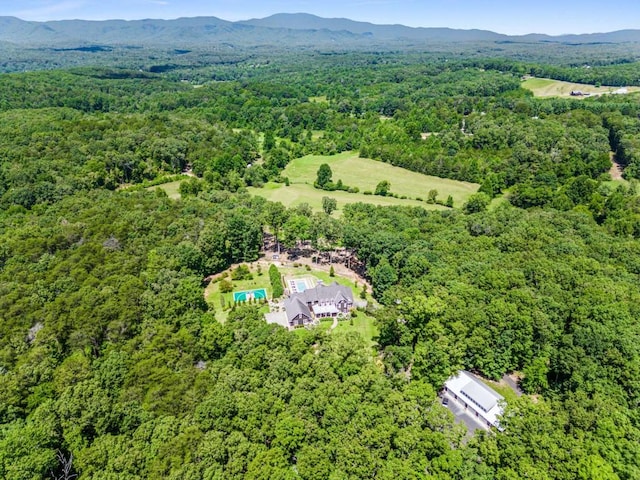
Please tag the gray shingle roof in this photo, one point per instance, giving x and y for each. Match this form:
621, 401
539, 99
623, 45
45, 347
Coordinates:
297, 303
294, 307
325, 293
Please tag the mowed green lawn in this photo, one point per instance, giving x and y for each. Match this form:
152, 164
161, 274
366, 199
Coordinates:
362, 324
364, 174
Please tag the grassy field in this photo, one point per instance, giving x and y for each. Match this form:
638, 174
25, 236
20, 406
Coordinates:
354, 172
295, 194
545, 87
364, 174
362, 324
172, 188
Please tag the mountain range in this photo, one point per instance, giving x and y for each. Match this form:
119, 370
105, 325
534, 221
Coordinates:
279, 29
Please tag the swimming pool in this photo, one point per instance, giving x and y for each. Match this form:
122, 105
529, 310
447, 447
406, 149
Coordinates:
301, 285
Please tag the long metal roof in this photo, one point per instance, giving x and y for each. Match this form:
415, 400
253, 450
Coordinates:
487, 399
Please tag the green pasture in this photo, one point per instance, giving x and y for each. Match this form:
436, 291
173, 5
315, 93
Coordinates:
365, 174
295, 194
354, 172
535, 83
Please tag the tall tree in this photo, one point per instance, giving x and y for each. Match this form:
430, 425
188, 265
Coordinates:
329, 205
275, 216
324, 175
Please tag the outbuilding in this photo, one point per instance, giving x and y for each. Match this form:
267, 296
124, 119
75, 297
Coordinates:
471, 393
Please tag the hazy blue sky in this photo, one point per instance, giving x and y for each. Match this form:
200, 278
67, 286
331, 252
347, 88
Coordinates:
504, 16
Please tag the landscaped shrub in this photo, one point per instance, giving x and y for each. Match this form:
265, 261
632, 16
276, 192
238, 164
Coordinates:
276, 282
226, 286
242, 272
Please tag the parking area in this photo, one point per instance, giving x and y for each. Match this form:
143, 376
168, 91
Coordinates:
461, 415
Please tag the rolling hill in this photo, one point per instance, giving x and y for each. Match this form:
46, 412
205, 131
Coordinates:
279, 29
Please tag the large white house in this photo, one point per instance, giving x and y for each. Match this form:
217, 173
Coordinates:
470, 392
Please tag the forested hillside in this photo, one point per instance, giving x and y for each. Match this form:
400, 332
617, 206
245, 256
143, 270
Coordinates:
113, 365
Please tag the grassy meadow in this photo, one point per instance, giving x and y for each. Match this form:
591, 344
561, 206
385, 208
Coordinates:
546, 87
295, 194
354, 172
364, 174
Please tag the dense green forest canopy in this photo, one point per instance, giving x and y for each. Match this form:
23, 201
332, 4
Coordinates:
112, 362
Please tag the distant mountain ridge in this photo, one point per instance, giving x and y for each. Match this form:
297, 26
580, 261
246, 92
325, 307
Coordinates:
279, 29
305, 21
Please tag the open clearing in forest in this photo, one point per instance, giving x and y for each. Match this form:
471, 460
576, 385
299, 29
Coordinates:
365, 174
358, 172
546, 87
172, 188
222, 302
298, 193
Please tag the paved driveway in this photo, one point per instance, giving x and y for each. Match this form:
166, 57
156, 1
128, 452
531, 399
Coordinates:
467, 417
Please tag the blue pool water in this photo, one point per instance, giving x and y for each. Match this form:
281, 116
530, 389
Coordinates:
301, 286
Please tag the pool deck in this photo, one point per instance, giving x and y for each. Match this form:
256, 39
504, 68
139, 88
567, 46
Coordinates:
293, 283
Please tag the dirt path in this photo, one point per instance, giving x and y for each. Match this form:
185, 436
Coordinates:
339, 268
334, 325
616, 168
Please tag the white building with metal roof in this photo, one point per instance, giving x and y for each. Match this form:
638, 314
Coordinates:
472, 394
